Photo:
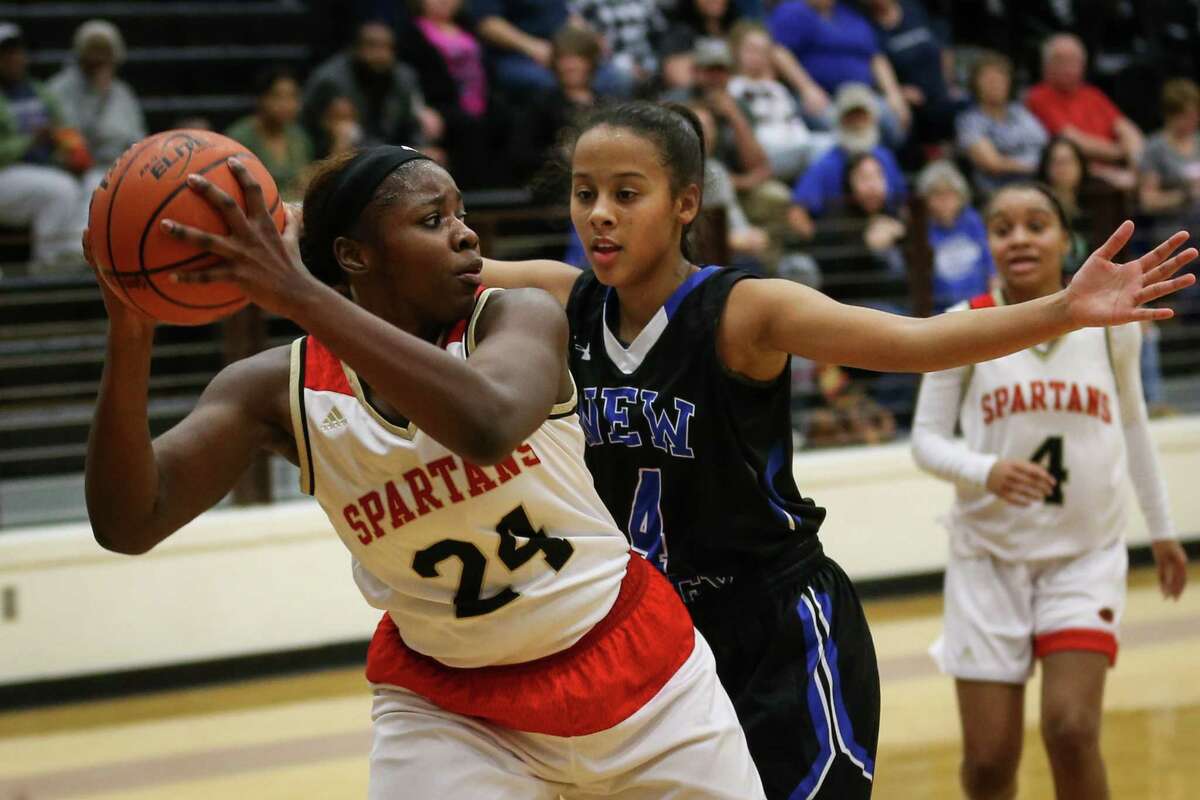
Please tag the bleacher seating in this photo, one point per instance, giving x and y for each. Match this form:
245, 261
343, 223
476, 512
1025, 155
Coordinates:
185, 58
196, 59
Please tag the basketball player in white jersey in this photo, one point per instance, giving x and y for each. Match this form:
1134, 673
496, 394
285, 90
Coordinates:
522, 653
1037, 553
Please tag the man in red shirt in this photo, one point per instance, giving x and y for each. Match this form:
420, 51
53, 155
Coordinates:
1082, 113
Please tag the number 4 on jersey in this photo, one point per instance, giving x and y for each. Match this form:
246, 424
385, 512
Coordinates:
645, 519
1051, 451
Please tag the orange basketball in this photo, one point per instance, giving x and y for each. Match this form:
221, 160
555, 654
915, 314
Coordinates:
148, 184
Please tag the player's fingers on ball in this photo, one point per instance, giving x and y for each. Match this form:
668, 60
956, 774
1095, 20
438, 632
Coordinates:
256, 202
222, 201
209, 275
209, 242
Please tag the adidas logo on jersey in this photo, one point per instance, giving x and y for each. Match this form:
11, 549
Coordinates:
334, 420
585, 351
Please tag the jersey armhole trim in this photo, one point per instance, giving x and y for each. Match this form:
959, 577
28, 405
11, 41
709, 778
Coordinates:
476, 313
559, 410
300, 416
567, 407
723, 368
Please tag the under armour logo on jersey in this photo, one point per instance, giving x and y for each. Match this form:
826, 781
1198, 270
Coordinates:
334, 420
585, 351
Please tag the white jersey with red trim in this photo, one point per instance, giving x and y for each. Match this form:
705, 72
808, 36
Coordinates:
1055, 404
476, 565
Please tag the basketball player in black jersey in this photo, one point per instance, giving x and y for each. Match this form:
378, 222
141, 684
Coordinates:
684, 398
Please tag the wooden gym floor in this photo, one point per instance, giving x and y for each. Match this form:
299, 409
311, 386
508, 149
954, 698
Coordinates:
308, 736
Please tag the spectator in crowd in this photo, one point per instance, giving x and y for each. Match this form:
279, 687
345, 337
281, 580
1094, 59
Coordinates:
386, 94
339, 130
745, 241
630, 32
834, 45
764, 198
96, 102
438, 43
773, 112
822, 186
1081, 112
1064, 169
921, 61
519, 33
705, 18
1170, 174
868, 201
34, 189
962, 261
577, 55
1169, 185
273, 134
1000, 137
676, 77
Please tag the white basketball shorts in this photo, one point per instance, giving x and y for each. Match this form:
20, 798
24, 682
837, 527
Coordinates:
1001, 615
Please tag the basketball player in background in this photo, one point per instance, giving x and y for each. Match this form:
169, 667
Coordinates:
523, 653
1037, 552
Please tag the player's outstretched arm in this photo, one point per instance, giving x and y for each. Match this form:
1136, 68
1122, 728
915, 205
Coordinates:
139, 491
554, 277
766, 319
481, 414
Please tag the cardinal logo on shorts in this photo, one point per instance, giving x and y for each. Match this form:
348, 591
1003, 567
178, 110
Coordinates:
333, 420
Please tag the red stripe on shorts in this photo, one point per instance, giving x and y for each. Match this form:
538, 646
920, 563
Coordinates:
1088, 639
600, 681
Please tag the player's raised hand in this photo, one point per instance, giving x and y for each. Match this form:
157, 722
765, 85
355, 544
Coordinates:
264, 263
1171, 562
1106, 293
1021, 483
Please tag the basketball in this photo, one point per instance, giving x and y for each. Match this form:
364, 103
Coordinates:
148, 184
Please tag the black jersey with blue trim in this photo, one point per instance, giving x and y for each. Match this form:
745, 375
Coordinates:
693, 461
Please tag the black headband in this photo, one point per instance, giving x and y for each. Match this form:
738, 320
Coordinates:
357, 183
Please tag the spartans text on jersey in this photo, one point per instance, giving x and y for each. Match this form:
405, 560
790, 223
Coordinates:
1050, 395
611, 413
427, 489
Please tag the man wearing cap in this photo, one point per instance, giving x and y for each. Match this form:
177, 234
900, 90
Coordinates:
34, 191
764, 198
822, 185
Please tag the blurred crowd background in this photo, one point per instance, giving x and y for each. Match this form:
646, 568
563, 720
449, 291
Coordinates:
852, 146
